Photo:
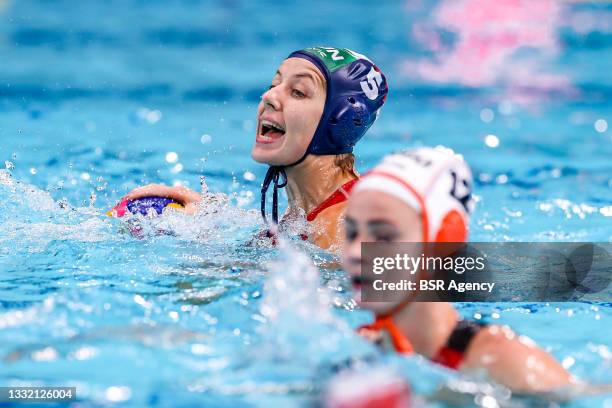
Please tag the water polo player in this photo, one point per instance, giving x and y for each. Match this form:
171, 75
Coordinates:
424, 195
321, 102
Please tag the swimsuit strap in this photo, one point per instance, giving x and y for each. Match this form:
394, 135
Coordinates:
451, 355
453, 352
401, 344
337, 197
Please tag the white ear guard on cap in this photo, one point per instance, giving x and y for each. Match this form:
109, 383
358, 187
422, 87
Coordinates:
434, 181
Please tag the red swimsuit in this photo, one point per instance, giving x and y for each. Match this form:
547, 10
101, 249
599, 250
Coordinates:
337, 197
450, 355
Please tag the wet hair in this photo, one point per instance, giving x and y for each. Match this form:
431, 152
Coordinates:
346, 162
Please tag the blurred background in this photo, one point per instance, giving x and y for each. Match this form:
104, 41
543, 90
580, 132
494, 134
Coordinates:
100, 96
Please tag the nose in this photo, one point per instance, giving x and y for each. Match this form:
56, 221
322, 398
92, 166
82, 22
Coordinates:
270, 99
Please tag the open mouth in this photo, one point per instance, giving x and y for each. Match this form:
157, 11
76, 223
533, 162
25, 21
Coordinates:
270, 132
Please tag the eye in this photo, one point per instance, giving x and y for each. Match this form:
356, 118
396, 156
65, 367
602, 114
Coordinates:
271, 86
351, 235
385, 238
298, 94
350, 231
384, 234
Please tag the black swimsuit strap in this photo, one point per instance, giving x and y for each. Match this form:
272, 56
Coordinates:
463, 334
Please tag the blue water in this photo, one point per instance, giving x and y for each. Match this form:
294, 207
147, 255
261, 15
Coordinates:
99, 97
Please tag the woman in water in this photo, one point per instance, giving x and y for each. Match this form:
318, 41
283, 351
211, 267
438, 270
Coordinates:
424, 195
321, 102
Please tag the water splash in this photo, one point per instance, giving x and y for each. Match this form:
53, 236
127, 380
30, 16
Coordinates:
299, 340
216, 220
300, 326
30, 218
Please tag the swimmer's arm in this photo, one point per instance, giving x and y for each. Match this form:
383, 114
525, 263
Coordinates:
187, 197
514, 361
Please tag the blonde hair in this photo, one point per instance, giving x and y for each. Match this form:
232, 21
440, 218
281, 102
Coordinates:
346, 162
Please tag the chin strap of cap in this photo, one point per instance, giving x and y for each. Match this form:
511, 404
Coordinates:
277, 175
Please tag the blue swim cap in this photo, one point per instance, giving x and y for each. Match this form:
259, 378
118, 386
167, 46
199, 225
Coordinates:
356, 89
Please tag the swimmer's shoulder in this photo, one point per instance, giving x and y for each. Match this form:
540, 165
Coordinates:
513, 360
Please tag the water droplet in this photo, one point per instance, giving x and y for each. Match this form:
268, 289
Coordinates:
487, 115
153, 116
9, 165
491, 141
85, 353
484, 177
203, 186
142, 302
33, 170
171, 157
118, 394
200, 349
501, 179
206, 138
178, 167
568, 362
85, 176
45, 354
249, 176
601, 125
487, 401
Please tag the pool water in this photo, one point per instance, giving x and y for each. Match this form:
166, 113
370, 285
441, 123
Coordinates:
99, 97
